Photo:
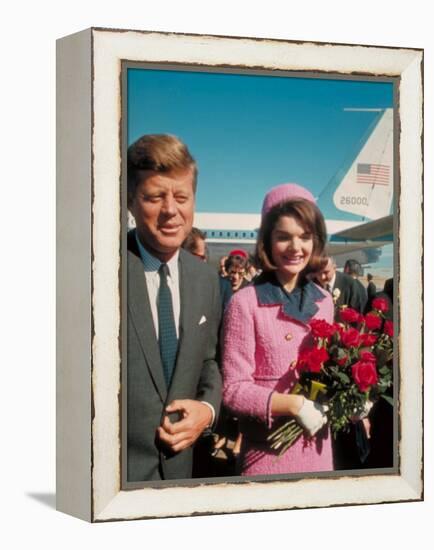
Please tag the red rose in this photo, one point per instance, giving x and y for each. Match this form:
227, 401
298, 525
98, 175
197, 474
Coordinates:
338, 327
373, 321
317, 358
350, 338
313, 360
380, 304
367, 356
342, 361
364, 374
303, 356
388, 328
321, 329
349, 315
368, 339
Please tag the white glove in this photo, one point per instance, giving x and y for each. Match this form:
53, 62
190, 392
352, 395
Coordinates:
311, 416
364, 412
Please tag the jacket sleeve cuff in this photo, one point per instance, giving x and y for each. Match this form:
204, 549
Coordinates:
212, 412
269, 417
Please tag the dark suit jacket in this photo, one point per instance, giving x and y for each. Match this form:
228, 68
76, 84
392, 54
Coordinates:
371, 290
196, 374
353, 293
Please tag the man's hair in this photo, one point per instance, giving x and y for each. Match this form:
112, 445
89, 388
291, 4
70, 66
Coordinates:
192, 238
161, 153
369, 276
309, 217
353, 267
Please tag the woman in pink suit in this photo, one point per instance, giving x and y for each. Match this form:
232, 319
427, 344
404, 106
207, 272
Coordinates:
265, 327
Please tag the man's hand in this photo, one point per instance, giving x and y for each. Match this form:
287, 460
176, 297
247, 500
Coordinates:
195, 417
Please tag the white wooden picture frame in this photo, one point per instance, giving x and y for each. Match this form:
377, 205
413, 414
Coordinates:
89, 267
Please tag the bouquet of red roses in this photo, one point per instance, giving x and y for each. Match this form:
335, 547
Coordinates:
348, 367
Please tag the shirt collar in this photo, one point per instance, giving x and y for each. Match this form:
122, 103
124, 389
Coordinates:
300, 304
152, 264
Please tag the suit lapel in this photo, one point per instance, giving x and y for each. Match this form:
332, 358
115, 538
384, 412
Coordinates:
190, 306
140, 309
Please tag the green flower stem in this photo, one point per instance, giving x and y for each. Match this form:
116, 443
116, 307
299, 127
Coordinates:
285, 433
283, 428
276, 441
291, 441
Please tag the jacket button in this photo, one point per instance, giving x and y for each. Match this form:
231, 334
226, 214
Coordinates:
288, 336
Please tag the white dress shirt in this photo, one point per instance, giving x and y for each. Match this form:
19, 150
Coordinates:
152, 279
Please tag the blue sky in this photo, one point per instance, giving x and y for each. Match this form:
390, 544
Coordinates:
249, 133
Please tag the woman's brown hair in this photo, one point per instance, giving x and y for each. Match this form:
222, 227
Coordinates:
309, 217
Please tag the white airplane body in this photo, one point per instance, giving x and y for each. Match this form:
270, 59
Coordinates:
364, 189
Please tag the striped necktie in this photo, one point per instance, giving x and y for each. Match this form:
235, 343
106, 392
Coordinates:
168, 340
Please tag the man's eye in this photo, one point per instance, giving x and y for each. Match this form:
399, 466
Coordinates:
151, 198
181, 198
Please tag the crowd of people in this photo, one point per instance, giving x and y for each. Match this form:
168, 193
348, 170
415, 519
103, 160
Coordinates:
212, 356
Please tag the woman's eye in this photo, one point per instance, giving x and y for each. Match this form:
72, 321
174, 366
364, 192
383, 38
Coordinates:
281, 237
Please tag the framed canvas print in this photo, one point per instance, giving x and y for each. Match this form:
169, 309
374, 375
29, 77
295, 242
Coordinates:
239, 247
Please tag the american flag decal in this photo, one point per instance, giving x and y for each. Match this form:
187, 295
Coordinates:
373, 174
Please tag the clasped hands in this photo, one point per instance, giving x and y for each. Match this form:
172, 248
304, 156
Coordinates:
195, 417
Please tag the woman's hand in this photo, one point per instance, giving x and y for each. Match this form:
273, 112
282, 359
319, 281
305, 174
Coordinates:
312, 416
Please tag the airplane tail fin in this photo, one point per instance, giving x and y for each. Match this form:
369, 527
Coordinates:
367, 187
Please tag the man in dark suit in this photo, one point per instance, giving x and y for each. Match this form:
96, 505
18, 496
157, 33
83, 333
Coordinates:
347, 454
343, 288
355, 270
371, 289
173, 380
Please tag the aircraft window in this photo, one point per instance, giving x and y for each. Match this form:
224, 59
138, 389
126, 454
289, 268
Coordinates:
244, 234
236, 234
221, 234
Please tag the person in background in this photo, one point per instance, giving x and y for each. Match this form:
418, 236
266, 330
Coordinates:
355, 270
345, 289
371, 288
195, 244
381, 416
252, 271
222, 270
228, 428
341, 286
236, 268
227, 283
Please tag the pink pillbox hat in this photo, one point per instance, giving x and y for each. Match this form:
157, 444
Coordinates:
285, 192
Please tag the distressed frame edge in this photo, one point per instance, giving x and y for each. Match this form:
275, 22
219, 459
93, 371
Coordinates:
73, 275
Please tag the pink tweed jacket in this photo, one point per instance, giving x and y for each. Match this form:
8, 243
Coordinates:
264, 330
